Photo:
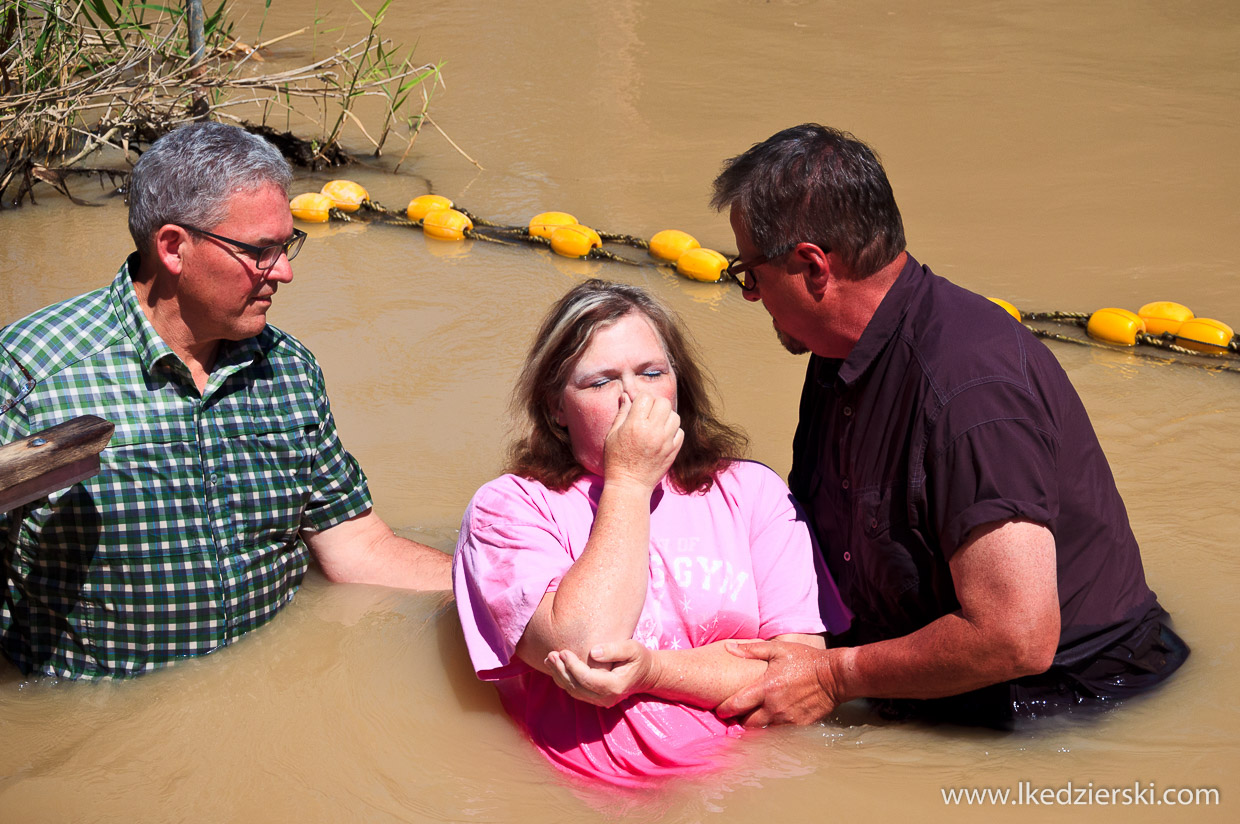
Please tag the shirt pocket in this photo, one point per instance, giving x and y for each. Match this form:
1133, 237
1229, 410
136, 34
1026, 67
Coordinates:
268, 482
888, 577
136, 510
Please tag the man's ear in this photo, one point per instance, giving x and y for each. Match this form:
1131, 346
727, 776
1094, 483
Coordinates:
816, 266
169, 244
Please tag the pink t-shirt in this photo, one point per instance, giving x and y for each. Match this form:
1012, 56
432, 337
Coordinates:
735, 562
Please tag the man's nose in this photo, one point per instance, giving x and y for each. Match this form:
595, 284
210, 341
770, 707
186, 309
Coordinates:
282, 271
751, 295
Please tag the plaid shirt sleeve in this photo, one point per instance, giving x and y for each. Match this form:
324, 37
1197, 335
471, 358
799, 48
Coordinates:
13, 426
339, 491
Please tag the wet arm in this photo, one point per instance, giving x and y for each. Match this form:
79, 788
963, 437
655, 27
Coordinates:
1007, 627
702, 677
705, 676
365, 550
600, 597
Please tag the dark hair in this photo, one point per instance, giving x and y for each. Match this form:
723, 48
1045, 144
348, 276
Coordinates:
814, 184
189, 176
545, 454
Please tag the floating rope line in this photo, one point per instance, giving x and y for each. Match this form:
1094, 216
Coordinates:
627, 240
1170, 328
1212, 344
483, 229
439, 218
1083, 317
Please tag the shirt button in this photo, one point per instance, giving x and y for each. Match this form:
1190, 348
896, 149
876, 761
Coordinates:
847, 411
847, 556
874, 524
845, 483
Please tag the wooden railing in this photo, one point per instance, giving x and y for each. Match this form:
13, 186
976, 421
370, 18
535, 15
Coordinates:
53, 459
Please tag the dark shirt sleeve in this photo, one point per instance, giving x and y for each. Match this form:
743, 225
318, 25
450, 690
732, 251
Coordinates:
993, 456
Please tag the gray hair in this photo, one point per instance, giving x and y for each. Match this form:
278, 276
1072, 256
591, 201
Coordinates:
190, 175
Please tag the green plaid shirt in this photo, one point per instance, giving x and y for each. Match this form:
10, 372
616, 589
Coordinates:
190, 535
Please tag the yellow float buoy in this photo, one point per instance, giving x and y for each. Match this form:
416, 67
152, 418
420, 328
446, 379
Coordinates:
1007, 307
422, 204
670, 244
1205, 335
705, 265
1118, 326
311, 207
446, 224
346, 195
1164, 316
542, 225
574, 241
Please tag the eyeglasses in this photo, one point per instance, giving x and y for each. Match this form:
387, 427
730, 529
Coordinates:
265, 257
741, 271
22, 389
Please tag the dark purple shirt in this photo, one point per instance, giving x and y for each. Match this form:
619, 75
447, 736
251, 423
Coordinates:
946, 415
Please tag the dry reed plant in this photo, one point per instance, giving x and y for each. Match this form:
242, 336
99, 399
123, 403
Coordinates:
76, 77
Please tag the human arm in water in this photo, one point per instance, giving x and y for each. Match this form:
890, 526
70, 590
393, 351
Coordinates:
702, 676
1007, 627
600, 597
364, 550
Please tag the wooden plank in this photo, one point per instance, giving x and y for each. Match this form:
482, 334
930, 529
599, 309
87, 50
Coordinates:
53, 459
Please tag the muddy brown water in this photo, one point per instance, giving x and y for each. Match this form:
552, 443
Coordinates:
1061, 155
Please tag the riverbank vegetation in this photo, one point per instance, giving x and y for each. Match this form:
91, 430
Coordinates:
81, 77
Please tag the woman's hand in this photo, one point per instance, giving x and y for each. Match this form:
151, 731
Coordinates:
643, 441
615, 671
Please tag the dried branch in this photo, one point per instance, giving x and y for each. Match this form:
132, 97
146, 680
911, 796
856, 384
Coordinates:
71, 85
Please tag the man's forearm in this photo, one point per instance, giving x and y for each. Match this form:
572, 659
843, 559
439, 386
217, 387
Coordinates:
946, 657
364, 550
393, 561
1007, 625
400, 562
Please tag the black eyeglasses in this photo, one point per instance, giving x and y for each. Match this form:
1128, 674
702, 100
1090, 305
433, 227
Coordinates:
22, 389
741, 271
265, 257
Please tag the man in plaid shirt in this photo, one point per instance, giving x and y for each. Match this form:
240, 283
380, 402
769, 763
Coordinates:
224, 472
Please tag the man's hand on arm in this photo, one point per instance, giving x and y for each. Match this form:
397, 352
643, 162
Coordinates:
798, 686
1007, 627
364, 550
701, 676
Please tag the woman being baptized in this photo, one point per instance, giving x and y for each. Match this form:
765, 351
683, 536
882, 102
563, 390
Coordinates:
598, 581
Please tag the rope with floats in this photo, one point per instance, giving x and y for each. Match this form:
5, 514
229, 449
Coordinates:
439, 218
1164, 326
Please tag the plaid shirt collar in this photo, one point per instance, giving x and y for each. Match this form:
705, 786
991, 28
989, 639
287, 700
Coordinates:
153, 350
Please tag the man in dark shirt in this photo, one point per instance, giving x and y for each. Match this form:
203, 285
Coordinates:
956, 486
